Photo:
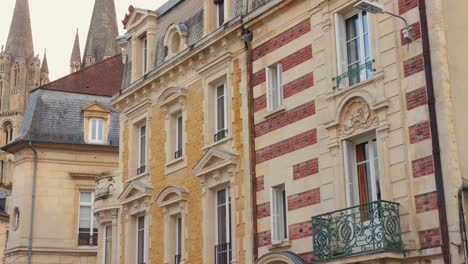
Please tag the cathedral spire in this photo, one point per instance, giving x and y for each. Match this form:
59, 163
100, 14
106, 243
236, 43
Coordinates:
75, 60
20, 41
102, 33
44, 70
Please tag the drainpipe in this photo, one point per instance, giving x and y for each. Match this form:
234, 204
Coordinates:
33, 203
248, 36
439, 180
462, 222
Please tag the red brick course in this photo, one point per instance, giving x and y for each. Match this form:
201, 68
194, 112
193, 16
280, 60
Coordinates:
415, 29
263, 210
422, 167
304, 199
289, 89
288, 63
405, 5
429, 238
416, 98
413, 65
426, 202
307, 256
285, 118
419, 132
282, 39
286, 146
260, 183
300, 230
264, 238
305, 169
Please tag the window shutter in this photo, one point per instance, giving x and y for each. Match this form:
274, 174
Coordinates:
275, 223
280, 83
348, 158
269, 89
341, 54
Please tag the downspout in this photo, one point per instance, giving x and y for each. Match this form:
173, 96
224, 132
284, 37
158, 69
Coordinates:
439, 180
248, 36
461, 216
33, 203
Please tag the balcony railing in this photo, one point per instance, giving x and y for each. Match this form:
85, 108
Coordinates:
223, 253
178, 154
220, 135
105, 185
141, 170
363, 229
353, 76
177, 258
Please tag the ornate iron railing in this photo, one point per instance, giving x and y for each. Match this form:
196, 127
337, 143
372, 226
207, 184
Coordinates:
220, 135
177, 258
178, 154
353, 75
105, 185
141, 170
362, 229
223, 253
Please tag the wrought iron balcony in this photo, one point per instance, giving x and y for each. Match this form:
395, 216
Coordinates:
369, 228
223, 253
177, 258
178, 154
220, 135
353, 75
141, 170
105, 185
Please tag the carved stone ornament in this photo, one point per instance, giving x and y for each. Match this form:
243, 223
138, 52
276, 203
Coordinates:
356, 115
104, 186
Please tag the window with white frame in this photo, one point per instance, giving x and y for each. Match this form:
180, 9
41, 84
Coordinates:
353, 48
279, 224
274, 87
87, 229
144, 53
108, 244
96, 130
219, 4
362, 171
223, 249
220, 112
140, 240
141, 150
178, 240
178, 144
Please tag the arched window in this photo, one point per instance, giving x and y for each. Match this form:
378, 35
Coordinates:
8, 132
16, 75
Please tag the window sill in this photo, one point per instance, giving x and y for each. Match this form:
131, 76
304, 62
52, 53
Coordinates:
274, 112
175, 161
283, 245
137, 177
219, 142
175, 165
338, 91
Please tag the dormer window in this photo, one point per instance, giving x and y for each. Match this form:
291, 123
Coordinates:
176, 39
96, 130
96, 123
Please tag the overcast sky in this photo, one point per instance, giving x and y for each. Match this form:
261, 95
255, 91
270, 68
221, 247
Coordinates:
54, 23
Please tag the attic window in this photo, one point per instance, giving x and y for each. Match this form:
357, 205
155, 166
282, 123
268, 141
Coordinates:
175, 39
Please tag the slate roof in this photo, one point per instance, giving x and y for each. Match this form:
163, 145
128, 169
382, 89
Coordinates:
56, 117
103, 78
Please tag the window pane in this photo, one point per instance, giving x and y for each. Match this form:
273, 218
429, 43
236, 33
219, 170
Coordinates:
100, 133
179, 133
179, 236
140, 239
142, 160
285, 225
108, 245
220, 107
85, 217
85, 197
220, 8
93, 129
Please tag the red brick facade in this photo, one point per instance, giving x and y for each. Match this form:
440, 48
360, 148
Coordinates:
419, 132
303, 199
264, 238
413, 65
422, 167
416, 98
300, 230
284, 119
429, 238
305, 169
405, 5
263, 210
284, 38
259, 77
286, 146
426, 202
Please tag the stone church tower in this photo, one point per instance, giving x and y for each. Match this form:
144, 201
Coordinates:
103, 31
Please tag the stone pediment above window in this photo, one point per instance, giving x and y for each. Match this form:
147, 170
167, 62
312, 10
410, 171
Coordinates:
95, 107
135, 190
215, 159
173, 95
172, 195
137, 16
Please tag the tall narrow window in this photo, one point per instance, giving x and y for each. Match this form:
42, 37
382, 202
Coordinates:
17, 73
219, 12
145, 54
96, 130
87, 230
141, 150
279, 225
223, 224
178, 253
353, 48
140, 240
274, 87
8, 132
108, 244
221, 113
179, 137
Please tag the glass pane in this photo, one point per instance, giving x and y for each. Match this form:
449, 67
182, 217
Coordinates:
85, 197
220, 13
221, 197
222, 234
140, 239
179, 236
85, 217
142, 146
179, 133
100, 129
141, 222
220, 107
93, 129
108, 245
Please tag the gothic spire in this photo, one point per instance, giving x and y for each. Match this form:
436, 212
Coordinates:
102, 33
45, 66
76, 53
20, 41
